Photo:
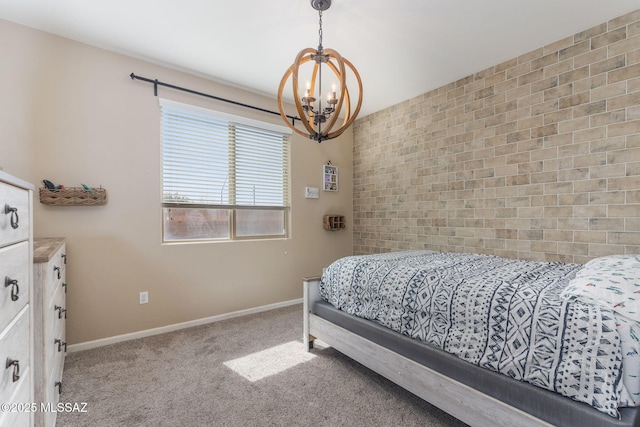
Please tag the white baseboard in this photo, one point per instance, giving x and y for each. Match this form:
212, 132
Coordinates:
169, 328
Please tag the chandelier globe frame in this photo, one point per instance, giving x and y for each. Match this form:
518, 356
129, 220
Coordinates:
318, 120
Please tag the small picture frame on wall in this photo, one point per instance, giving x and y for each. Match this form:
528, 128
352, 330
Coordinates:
329, 178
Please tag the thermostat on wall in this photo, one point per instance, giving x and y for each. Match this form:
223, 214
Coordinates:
312, 193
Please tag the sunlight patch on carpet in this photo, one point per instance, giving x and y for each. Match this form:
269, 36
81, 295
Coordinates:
271, 361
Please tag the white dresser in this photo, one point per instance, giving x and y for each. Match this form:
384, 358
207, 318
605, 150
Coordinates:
50, 313
16, 280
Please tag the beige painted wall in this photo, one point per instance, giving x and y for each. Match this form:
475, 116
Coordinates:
535, 158
70, 113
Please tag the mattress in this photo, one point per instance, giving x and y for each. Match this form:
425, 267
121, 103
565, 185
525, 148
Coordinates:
543, 404
507, 316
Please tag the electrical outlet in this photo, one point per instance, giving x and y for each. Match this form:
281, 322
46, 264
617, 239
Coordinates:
144, 297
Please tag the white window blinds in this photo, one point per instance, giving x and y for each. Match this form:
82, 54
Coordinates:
214, 159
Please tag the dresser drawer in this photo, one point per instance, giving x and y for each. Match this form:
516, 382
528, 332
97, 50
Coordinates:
18, 199
51, 276
54, 355
54, 385
14, 272
19, 418
54, 316
14, 345
55, 330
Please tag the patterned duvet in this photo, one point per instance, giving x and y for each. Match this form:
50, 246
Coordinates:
500, 314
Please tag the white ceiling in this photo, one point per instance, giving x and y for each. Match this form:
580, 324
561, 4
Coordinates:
402, 48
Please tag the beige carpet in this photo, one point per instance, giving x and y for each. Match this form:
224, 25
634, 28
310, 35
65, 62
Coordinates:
248, 371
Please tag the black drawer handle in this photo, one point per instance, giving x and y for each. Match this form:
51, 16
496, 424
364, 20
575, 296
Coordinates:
14, 215
64, 285
16, 368
58, 270
64, 258
59, 385
60, 311
60, 344
15, 289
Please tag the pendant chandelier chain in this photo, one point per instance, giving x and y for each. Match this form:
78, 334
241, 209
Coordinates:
320, 31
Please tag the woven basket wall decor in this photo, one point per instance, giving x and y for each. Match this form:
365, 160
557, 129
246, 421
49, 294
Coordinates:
74, 196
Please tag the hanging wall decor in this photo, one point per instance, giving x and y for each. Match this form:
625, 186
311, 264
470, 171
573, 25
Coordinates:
330, 178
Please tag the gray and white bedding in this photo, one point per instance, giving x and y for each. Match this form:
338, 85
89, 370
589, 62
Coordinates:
501, 314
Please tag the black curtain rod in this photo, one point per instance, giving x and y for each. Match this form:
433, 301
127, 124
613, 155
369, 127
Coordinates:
156, 83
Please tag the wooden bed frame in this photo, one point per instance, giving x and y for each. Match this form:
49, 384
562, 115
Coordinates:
461, 401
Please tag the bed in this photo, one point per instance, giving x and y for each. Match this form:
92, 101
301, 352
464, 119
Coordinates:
490, 340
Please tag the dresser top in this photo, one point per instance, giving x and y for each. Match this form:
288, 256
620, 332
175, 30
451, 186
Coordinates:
9, 179
44, 248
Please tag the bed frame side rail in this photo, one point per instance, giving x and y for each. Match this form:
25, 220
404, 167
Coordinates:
461, 401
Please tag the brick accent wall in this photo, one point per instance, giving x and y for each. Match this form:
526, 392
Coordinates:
535, 158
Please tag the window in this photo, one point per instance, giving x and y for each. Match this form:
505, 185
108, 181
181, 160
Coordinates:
223, 177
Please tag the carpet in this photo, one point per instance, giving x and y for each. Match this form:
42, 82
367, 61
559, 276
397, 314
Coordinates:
246, 371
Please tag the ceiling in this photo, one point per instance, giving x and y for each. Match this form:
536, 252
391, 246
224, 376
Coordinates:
402, 48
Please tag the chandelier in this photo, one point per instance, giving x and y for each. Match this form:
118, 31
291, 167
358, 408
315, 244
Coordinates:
319, 116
